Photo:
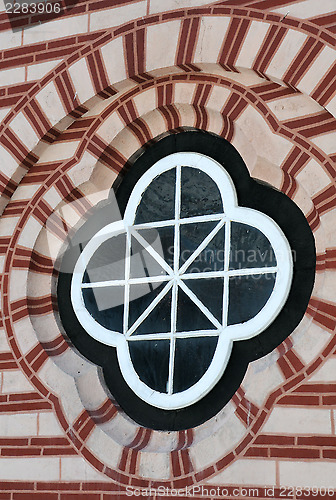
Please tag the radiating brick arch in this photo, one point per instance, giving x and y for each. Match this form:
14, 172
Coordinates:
87, 132
95, 68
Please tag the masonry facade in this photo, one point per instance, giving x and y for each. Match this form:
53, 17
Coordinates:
81, 93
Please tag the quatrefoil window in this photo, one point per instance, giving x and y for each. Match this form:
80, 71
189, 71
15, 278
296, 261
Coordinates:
185, 274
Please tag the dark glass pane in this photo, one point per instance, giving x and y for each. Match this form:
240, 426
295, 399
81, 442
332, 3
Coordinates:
150, 359
192, 359
212, 257
142, 263
108, 261
210, 292
249, 248
189, 316
161, 239
199, 194
158, 321
248, 295
140, 296
158, 200
191, 236
106, 305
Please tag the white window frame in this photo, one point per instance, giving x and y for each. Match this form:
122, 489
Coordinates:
226, 334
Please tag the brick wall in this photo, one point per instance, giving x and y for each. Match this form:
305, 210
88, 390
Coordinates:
79, 95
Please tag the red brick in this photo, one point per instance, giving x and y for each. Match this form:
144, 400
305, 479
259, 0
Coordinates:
123, 29
293, 382
294, 453
200, 476
223, 462
299, 400
89, 486
291, 22
244, 443
259, 422
60, 486
221, 10
329, 454
55, 44
20, 452
329, 400
13, 442
317, 388
80, 496
12, 485
278, 440
316, 440
59, 451
183, 483
256, 451
314, 366
41, 496
93, 460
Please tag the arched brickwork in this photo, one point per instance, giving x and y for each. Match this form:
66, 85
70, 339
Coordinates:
67, 161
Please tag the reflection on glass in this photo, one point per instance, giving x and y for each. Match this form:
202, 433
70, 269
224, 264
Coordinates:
248, 295
108, 261
140, 297
212, 257
106, 306
158, 321
191, 236
192, 359
199, 194
210, 293
142, 263
158, 200
189, 316
249, 248
151, 360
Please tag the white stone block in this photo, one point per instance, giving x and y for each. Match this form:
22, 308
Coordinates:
67, 26
108, 18
298, 421
19, 424
81, 79
114, 59
247, 472
29, 469
210, 38
51, 104
158, 56
253, 40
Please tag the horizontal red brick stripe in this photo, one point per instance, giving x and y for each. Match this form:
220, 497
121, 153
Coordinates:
7, 361
314, 388
299, 400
